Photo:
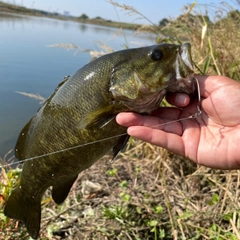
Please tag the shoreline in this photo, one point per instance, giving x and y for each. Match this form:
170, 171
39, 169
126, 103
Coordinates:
14, 9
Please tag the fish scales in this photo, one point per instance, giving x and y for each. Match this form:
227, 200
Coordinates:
82, 110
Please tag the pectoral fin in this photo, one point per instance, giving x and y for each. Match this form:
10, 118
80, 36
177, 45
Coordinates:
119, 146
100, 117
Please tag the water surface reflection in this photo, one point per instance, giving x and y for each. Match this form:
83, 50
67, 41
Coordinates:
28, 65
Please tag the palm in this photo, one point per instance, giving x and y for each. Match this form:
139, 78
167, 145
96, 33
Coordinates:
211, 139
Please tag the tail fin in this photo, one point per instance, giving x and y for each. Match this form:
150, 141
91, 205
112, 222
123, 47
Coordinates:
27, 211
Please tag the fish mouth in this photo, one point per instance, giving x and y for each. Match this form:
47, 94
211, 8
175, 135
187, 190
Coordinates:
185, 53
183, 79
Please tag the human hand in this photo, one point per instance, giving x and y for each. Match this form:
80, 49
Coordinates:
212, 139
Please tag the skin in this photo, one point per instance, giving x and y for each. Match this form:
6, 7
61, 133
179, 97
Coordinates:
212, 139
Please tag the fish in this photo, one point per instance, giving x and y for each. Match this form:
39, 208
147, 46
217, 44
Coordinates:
76, 125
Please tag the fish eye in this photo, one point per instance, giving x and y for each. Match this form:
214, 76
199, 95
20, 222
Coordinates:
156, 55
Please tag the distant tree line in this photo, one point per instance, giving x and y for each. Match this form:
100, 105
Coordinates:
83, 17
190, 19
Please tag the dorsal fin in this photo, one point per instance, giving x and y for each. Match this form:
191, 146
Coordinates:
21, 142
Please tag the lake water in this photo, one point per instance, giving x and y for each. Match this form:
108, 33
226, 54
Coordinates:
27, 64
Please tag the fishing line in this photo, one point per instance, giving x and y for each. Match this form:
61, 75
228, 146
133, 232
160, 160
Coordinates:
193, 116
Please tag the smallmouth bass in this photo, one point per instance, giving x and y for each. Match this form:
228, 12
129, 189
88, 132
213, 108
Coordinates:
81, 111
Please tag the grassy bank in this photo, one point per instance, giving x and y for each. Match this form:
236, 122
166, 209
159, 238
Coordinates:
150, 193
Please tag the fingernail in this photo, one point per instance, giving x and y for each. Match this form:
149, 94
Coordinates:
181, 99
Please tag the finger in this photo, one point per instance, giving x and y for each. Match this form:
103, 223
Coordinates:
132, 119
178, 99
170, 113
128, 119
160, 138
173, 113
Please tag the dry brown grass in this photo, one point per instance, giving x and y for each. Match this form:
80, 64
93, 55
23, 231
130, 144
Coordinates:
147, 193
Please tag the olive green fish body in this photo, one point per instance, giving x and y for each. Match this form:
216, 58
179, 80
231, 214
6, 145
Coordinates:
75, 127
